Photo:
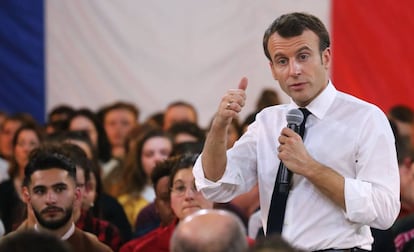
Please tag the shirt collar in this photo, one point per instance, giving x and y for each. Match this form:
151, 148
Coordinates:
320, 105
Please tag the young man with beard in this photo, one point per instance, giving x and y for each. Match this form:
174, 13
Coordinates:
52, 193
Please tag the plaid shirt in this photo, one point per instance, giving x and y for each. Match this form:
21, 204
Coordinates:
104, 231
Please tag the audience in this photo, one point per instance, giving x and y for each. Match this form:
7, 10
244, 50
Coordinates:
159, 212
12, 202
103, 206
137, 173
132, 184
185, 200
83, 215
86, 120
209, 230
7, 131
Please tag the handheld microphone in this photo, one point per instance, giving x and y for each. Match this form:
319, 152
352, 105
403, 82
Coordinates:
294, 118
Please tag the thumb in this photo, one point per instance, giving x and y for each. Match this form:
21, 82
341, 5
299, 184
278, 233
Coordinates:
243, 83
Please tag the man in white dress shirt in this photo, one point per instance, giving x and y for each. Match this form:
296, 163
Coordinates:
345, 171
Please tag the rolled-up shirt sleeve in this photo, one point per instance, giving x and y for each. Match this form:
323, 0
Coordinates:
239, 175
372, 197
221, 191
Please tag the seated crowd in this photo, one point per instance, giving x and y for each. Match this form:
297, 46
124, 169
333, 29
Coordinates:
103, 181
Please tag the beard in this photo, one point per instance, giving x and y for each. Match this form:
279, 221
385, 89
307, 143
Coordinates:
56, 223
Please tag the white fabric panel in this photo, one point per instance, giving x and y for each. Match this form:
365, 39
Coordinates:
156, 52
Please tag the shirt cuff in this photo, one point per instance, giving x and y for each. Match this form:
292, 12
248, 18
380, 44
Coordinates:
358, 201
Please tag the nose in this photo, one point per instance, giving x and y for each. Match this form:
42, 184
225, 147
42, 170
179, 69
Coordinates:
50, 197
295, 68
159, 157
190, 192
27, 148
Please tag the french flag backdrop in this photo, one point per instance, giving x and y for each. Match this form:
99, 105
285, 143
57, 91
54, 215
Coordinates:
89, 53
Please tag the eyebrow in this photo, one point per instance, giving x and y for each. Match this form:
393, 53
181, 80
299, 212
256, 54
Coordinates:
179, 181
53, 186
303, 48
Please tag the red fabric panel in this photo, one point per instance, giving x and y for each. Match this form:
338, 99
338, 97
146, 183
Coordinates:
373, 50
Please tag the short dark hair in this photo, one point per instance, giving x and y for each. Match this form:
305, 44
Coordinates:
120, 105
184, 161
402, 113
187, 127
293, 24
78, 156
162, 169
183, 104
61, 109
47, 157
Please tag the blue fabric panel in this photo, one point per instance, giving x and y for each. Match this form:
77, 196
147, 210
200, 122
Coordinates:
22, 57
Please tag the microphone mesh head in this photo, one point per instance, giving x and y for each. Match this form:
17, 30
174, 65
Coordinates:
294, 116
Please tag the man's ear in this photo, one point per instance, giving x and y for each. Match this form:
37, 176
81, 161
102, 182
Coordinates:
78, 194
326, 58
407, 162
26, 194
273, 70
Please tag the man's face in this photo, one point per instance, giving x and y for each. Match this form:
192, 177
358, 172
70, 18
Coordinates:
52, 195
298, 65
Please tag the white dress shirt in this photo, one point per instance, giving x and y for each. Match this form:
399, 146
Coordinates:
349, 135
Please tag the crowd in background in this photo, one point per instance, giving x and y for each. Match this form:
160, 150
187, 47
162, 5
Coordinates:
120, 199
130, 199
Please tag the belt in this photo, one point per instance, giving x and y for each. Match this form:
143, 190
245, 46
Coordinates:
341, 250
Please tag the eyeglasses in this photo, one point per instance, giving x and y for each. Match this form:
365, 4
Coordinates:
181, 189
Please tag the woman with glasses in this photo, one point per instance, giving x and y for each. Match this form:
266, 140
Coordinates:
185, 200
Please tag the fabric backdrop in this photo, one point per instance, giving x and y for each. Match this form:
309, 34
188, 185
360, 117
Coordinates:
91, 53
